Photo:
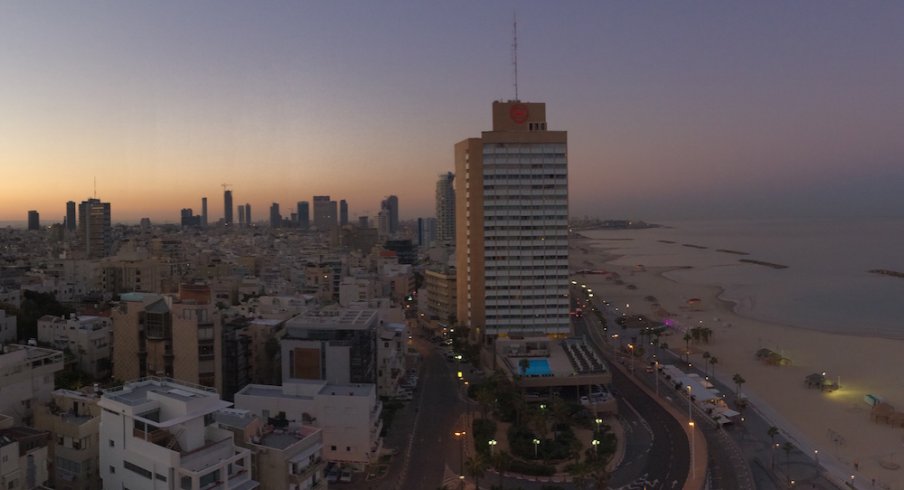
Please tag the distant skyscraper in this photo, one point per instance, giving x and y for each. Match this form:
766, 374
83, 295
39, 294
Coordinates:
95, 229
304, 215
204, 212
275, 217
512, 225
227, 207
390, 206
343, 212
189, 218
34, 220
325, 216
241, 215
71, 222
445, 208
426, 231
248, 221
363, 222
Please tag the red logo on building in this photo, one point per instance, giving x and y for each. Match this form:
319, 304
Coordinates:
518, 113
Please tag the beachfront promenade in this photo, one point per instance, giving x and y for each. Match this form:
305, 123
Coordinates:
742, 455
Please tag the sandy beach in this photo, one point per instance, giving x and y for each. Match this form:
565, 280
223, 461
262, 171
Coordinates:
836, 424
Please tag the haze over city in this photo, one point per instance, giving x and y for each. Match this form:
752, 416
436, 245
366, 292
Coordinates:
675, 111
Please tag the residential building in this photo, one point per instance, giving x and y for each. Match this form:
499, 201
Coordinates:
391, 348
241, 210
442, 293
248, 221
88, 338
237, 349
26, 379
73, 420
168, 335
204, 212
348, 414
162, 433
24, 458
426, 231
7, 327
512, 226
275, 217
95, 228
445, 209
331, 343
287, 457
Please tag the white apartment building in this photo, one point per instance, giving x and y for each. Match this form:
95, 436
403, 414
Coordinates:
161, 433
88, 338
353, 289
23, 458
7, 328
26, 378
348, 414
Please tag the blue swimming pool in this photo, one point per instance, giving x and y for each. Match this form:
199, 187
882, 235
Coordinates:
536, 367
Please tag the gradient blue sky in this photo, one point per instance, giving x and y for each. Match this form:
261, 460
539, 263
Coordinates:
674, 110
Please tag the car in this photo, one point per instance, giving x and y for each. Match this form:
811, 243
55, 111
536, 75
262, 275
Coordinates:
345, 476
332, 474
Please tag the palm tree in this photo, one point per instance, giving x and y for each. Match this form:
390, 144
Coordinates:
788, 447
502, 461
485, 397
706, 356
738, 381
476, 466
524, 364
773, 431
712, 362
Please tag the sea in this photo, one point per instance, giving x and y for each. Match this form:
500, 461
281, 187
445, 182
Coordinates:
826, 285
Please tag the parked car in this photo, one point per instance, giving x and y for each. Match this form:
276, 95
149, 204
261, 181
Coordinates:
345, 476
332, 474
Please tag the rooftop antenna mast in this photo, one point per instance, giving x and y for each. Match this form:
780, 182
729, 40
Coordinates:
515, 50
95, 187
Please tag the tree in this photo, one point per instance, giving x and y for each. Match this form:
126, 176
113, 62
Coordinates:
773, 431
712, 362
476, 466
524, 364
706, 356
788, 447
485, 397
738, 381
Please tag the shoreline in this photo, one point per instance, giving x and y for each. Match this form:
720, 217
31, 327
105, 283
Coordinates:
865, 364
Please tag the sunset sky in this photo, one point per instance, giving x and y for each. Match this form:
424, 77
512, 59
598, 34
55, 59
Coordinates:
674, 110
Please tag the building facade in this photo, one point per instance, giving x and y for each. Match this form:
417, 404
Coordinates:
26, 379
331, 344
73, 420
88, 338
95, 228
512, 225
162, 433
445, 208
325, 213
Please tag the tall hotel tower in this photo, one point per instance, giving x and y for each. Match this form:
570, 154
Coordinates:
511, 199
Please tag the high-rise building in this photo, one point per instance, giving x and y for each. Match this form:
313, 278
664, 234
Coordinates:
325, 216
426, 231
188, 218
227, 207
247, 214
512, 226
34, 220
304, 215
275, 217
70, 216
204, 212
95, 228
445, 208
241, 215
343, 212
390, 206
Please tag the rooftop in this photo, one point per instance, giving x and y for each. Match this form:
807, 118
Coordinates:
334, 318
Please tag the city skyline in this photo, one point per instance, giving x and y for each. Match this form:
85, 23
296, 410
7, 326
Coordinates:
711, 111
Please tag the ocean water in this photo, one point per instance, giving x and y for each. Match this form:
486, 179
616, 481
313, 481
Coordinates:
825, 287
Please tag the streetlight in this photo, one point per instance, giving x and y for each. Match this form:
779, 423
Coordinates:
536, 445
631, 348
656, 375
492, 443
689, 417
693, 468
816, 453
461, 454
598, 422
596, 446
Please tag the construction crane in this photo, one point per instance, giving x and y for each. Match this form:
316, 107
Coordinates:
225, 187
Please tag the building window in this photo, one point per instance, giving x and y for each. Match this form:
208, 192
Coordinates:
186, 483
112, 469
332, 448
348, 448
136, 469
112, 444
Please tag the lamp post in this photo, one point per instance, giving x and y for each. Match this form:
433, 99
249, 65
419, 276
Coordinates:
598, 422
816, 453
492, 443
693, 468
656, 375
596, 447
631, 350
461, 454
536, 445
689, 416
